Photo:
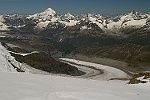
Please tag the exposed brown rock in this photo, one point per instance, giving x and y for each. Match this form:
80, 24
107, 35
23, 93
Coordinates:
134, 79
43, 62
136, 56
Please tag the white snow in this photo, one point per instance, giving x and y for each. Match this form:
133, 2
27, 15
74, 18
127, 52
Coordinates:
43, 24
24, 54
94, 20
5, 65
141, 22
68, 20
3, 27
54, 19
114, 25
17, 86
68, 16
69, 23
85, 27
46, 15
127, 21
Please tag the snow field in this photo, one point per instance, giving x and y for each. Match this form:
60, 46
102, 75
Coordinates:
15, 86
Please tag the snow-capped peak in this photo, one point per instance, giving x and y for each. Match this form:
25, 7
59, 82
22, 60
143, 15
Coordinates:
133, 18
46, 15
49, 11
136, 15
69, 15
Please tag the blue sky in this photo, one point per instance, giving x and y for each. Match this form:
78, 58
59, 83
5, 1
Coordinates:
74, 6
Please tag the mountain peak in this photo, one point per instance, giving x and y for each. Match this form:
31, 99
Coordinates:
69, 15
133, 12
138, 15
45, 15
49, 11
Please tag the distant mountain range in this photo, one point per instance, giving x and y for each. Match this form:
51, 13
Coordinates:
133, 27
50, 19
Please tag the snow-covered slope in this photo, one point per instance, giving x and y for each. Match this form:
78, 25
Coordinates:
3, 27
46, 15
68, 20
8, 62
42, 24
5, 66
17, 86
50, 16
44, 18
67, 16
133, 18
92, 18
